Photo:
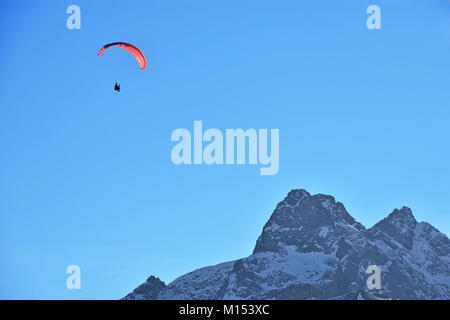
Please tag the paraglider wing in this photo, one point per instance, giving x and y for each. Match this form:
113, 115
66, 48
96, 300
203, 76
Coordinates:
130, 48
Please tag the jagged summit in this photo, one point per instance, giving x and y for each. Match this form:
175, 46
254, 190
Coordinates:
399, 226
402, 217
149, 289
301, 207
305, 221
312, 248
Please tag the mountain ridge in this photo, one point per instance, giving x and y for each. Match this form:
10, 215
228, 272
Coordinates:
312, 248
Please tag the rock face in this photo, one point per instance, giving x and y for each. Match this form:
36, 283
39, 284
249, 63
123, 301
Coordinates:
311, 248
149, 289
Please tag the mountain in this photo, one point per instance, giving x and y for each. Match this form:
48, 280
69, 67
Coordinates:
312, 248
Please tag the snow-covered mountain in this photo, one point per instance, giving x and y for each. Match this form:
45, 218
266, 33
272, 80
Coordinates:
311, 248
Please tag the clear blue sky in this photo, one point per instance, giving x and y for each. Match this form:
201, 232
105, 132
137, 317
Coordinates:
85, 173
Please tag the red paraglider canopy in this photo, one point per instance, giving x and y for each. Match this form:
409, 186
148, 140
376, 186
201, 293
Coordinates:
130, 48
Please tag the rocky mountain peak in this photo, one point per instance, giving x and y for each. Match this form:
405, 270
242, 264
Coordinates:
148, 290
398, 226
300, 208
296, 196
310, 220
399, 221
404, 216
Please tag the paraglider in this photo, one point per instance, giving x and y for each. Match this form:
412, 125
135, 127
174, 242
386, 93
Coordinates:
131, 49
